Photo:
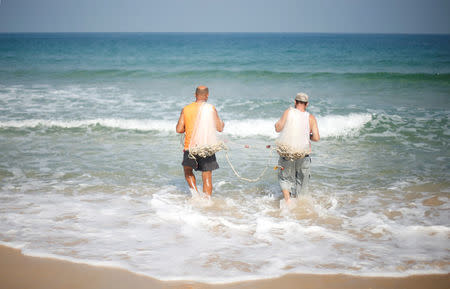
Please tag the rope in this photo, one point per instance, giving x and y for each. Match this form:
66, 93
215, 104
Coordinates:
246, 179
226, 149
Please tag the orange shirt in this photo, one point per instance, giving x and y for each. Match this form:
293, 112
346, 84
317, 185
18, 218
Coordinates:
190, 112
190, 115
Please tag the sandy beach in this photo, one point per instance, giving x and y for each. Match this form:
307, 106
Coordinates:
20, 271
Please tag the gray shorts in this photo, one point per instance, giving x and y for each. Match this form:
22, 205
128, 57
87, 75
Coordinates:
294, 175
200, 164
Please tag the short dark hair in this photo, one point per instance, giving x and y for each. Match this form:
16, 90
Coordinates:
201, 91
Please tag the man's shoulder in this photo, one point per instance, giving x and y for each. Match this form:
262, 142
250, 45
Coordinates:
190, 105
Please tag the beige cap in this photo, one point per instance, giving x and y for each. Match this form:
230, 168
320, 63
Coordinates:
303, 97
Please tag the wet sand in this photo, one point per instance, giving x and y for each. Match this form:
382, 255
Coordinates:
20, 271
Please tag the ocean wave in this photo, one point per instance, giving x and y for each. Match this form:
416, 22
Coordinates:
329, 126
125, 124
342, 125
230, 73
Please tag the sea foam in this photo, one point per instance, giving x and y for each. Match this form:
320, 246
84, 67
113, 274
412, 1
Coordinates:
329, 126
126, 124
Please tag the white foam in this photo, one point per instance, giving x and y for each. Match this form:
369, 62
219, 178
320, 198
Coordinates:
251, 127
126, 124
329, 126
342, 125
167, 228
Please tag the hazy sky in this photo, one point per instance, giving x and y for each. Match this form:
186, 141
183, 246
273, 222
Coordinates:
343, 16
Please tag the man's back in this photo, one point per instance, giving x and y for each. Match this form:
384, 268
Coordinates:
198, 158
297, 128
190, 112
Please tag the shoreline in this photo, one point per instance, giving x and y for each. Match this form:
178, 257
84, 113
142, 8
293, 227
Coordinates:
20, 271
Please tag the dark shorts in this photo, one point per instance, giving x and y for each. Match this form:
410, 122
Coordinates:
200, 164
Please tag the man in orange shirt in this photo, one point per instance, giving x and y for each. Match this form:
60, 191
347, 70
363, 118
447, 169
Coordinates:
185, 125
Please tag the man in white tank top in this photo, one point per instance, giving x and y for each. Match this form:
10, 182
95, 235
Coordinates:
297, 128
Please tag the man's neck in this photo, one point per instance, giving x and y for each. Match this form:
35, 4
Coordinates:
301, 108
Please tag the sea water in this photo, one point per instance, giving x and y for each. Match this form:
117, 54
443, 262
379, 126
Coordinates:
90, 163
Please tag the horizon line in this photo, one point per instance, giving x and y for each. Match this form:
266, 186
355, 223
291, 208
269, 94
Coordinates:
221, 32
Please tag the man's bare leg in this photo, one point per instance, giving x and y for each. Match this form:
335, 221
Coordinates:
207, 182
286, 195
190, 178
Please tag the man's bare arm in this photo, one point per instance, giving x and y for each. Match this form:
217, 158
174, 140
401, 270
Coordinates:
279, 125
219, 123
315, 136
180, 125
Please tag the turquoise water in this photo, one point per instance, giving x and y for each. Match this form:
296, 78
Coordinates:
89, 153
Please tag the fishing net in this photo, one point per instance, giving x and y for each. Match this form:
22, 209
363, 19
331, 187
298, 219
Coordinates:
293, 141
204, 141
